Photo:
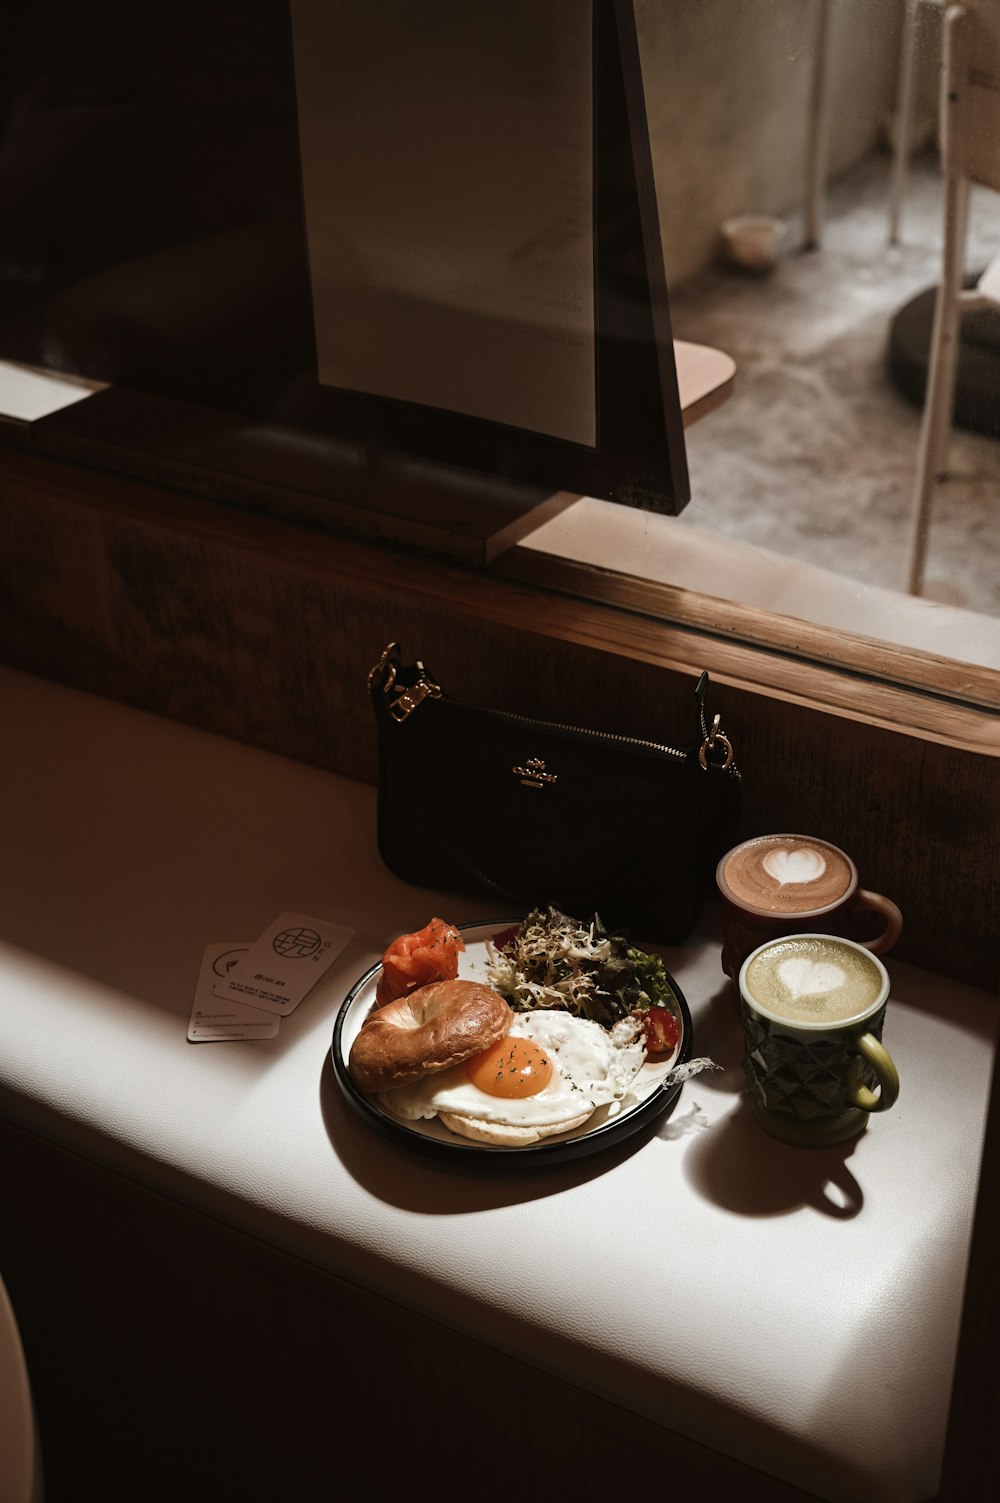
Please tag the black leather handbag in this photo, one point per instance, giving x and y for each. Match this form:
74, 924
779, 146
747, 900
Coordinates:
476, 800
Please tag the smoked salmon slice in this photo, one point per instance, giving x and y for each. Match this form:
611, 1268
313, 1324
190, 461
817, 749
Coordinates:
412, 960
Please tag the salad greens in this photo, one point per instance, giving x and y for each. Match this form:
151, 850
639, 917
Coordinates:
552, 960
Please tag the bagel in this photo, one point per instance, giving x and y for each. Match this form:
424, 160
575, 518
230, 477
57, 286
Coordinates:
431, 1029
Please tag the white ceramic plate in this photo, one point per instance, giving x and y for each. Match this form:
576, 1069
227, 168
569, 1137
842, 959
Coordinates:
648, 1098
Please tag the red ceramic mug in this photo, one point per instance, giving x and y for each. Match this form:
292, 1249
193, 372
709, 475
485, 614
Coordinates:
795, 884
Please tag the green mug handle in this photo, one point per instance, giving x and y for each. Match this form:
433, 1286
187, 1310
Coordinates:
888, 1079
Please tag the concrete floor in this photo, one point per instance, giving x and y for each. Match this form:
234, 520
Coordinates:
813, 456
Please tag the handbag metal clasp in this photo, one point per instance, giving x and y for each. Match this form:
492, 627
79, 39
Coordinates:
385, 668
407, 700
717, 737
408, 696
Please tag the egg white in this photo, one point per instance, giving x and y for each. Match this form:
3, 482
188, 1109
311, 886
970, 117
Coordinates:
591, 1068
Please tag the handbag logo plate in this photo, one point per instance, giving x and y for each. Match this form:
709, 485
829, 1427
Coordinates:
533, 775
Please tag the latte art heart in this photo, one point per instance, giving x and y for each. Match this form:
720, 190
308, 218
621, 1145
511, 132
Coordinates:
810, 978
793, 866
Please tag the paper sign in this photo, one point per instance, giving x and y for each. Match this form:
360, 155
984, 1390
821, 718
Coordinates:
214, 1019
285, 963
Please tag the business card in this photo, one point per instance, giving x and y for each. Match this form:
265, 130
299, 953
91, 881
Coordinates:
284, 964
215, 1019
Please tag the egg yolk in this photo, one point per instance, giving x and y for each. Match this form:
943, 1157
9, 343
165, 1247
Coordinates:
513, 1068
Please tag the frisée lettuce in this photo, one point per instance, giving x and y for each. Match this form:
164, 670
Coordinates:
554, 961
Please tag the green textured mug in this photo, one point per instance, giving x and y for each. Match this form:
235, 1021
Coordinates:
813, 1009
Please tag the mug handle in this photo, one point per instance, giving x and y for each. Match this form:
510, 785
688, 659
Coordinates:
888, 1079
876, 903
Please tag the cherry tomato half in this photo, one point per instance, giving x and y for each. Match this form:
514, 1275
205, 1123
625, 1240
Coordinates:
662, 1030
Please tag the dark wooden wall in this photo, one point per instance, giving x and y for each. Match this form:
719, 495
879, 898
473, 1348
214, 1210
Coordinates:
264, 631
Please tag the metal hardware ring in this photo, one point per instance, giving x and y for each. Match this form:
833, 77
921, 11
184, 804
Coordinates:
717, 738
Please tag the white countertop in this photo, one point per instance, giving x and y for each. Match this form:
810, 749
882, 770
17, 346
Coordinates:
796, 1309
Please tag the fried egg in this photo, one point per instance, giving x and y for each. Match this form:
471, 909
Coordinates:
550, 1069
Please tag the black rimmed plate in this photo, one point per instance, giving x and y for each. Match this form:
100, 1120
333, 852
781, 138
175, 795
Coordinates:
647, 1099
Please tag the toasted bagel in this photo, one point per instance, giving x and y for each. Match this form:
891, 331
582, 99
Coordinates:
431, 1029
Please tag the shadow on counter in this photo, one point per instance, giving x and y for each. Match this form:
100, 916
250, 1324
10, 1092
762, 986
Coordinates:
414, 1181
